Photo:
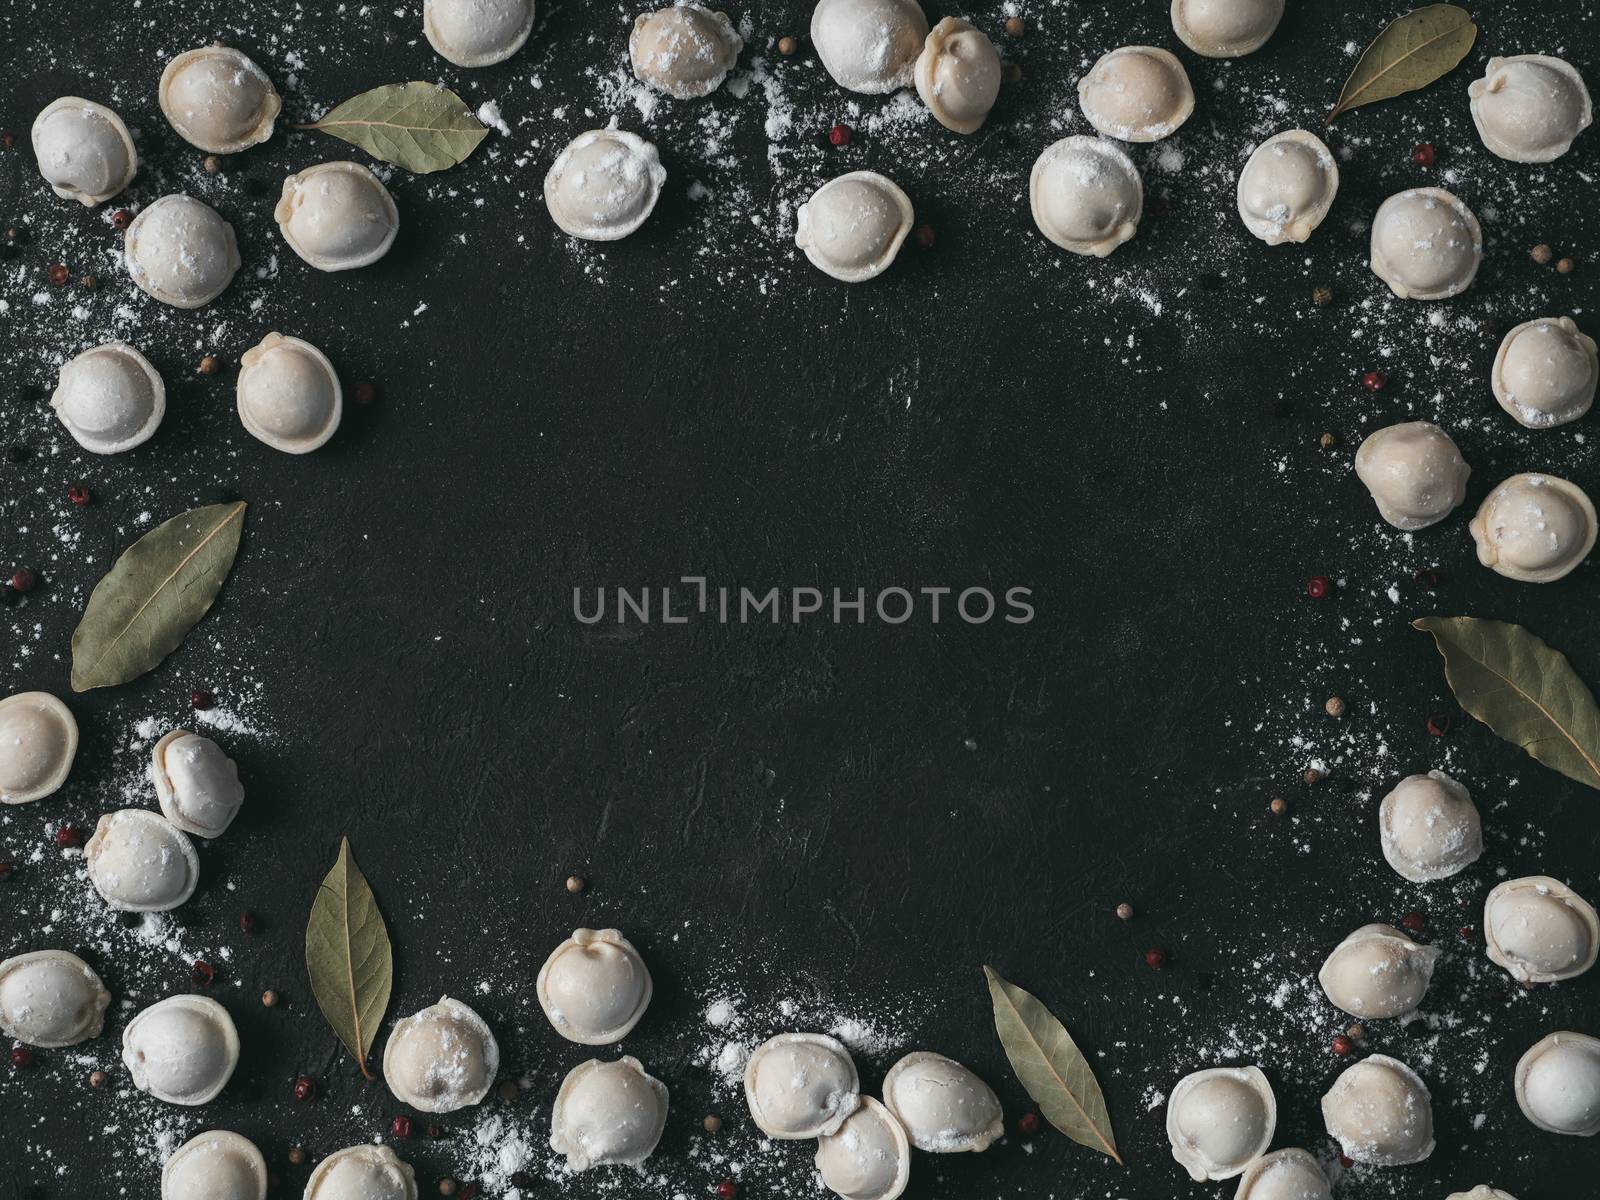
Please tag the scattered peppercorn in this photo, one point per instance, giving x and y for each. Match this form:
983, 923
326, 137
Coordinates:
507, 1090
304, 1088
1335, 706
1342, 1045
80, 495
269, 999
97, 1079
1439, 724
575, 884
121, 219
1013, 73
200, 700
21, 1058
1414, 921
1314, 775
209, 365
1374, 381
1565, 266
1327, 441
5, 870
435, 1130
1542, 253
1355, 1033
89, 282
400, 1126
69, 837
1155, 958
247, 922
1279, 806
1322, 295
712, 1123
296, 1156
59, 275
469, 1191
787, 45
202, 973
447, 1186
1015, 27
1124, 911
212, 164
1028, 1124
1346, 1161
839, 135
1427, 577
7, 140
924, 236
727, 1190
1465, 931
1318, 586
364, 393
23, 580
1423, 154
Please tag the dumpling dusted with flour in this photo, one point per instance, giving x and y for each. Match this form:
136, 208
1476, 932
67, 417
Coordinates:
362, 1173
337, 216
182, 1050
1482, 1192
1540, 930
594, 987
869, 46
477, 33
958, 75
288, 394
1429, 827
84, 151
945, 1108
1284, 1175
1558, 1084
217, 1165
685, 51
1534, 528
51, 998
1225, 28
604, 185
1545, 372
1221, 1120
608, 1114
110, 398
801, 1085
1378, 972
442, 1058
141, 862
1086, 195
1415, 473
1426, 244
869, 1158
218, 100
181, 252
38, 743
1136, 94
197, 784
853, 226
1287, 187
1380, 1113
1529, 107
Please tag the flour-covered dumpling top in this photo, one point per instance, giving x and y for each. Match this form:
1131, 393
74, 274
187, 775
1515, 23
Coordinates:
1086, 195
1225, 28
1545, 372
853, 226
1284, 1175
1540, 930
110, 398
38, 741
337, 216
182, 1049
1529, 107
1415, 473
85, 152
216, 1165
219, 100
1482, 1192
362, 1173
1220, 1120
442, 1058
197, 784
604, 185
1287, 187
594, 987
181, 252
869, 1158
1429, 827
1558, 1084
869, 45
958, 75
944, 1107
288, 394
1426, 244
685, 51
140, 862
1136, 94
50, 998
1380, 1113
1378, 972
477, 33
801, 1085
608, 1114
1534, 528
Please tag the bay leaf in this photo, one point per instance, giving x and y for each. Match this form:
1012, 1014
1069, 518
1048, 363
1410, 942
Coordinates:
419, 126
1051, 1067
1522, 689
154, 594
1412, 52
348, 956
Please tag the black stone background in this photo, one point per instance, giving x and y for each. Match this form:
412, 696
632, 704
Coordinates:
861, 813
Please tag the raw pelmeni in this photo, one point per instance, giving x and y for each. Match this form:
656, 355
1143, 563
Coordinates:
1534, 528
1378, 972
182, 1049
1220, 1120
869, 45
604, 185
869, 1158
853, 226
801, 1085
362, 1173
1136, 94
181, 252
608, 1114
1426, 244
1540, 930
944, 1107
1429, 827
441, 1059
1545, 372
1086, 195
958, 75
1225, 28
1380, 1113
1529, 107
685, 50
594, 987
197, 785
38, 741
1284, 1175
218, 99
288, 394
1558, 1084
84, 151
110, 398
337, 216
217, 1165
1287, 187
477, 33
50, 998
140, 862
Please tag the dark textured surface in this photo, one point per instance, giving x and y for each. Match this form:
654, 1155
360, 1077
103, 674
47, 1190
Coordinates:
864, 814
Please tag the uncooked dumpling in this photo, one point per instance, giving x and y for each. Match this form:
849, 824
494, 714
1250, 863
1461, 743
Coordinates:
288, 394
958, 75
141, 862
685, 51
1225, 28
38, 741
869, 1158
1086, 195
1220, 1120
801, 1085
1429, 828
337, 216
944, 1107
197, 784
1545, 372
853, 226
442, 1058
1414, 472
477, 33
182, 1049
85, 152
608, 1114
1426, 244
1540, 930
1482, 1192
362, 1173
1136, 94
1529, 107
110, 398
1535, 528
1380, 1113
218, 99
1287, 187
215, 1166
181, 252
1378, 972
1284, 1175
1558, 1084
869, 45
604, 185
50, 998
594, 987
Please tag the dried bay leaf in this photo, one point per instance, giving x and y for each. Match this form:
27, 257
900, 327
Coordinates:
1522, 689
348, 956
419, 126
154, 594
1412, 52
1051, 1067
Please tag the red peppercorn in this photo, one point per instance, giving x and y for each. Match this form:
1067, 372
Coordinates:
1374, 381
23, 580
925, 236
839, 135
400, 1126
1342, 1045
1318, 586
1439, 724
79, 495
1155, 958
1028, 1124
469, 1191
247, 921
202, 973
7, 140
727, 1190
200, 700
21, 1057
1413, 921
304, 1088
1423, 154
69, 837
364, 393
5, 871
59, 275
1346, 1161
121, 219
1465, 931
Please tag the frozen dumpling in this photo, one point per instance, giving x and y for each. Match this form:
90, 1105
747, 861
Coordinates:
218, 100
85, 152
288, 394
1558, 1084
140, 862
1086, 195
197, 784
869, 46
182, 1049
1380, 1113
1429, 828
685, 51
943, 1106
442, 1058
1545, 372
110, 398
604, 185
337, 216
608, 1114
1535, 528
1378, 972
1225, 28
50, 998
38, 741
1136, 94
1529, 107
181, 252
362, 1173
1426, 244
1415, 473
1284, 1175
869, 1158
594, 987
1287, 187
958, 75
801, 1085
1540, 930
215, 1166
1221, 1120
477, 33
853, 226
